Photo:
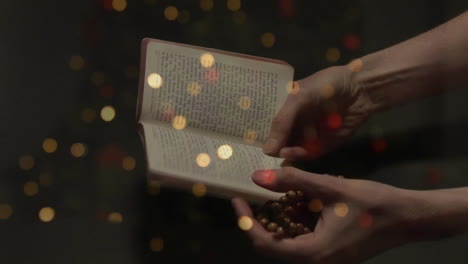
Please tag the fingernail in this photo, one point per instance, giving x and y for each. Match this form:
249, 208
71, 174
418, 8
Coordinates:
270, 146
264, 176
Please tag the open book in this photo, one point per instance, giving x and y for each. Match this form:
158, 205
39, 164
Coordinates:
204, 114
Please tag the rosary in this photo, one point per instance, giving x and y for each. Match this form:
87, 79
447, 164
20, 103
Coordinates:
288, 216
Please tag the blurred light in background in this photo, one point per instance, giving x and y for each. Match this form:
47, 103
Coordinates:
225, 152
115, 218
341, 209
49, 145
156, 244
5, 211
332, 55
207, 60
250, 136
315, 205
78, 150
233, 5
171, 13
119, 5
26, 162
154, 80
203, 160
30, 188
206, 5
199, 189
245, 223
268, 39
244, 102
47, 214
128, 163
194, 88
179, 122
107, 113
76, 63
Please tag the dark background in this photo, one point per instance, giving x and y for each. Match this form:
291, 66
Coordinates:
105, 213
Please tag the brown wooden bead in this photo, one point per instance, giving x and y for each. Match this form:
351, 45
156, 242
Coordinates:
299, 228
284, 199
289, 209
260, 216
280, 230
306, 230
292, 227
276, 206
287, 220
272, 227
300, 195
264, 221
291, 195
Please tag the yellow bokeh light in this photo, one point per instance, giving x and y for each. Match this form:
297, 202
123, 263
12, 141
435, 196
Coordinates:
199, 189
49, 145
115, 218
315, 205
207, 60
108, 113
47, 214
26, 162
245, 223
5, 211
128, 163
154, 187
355, 65
45, 179
119, 5
171, 13
154, 80
341, 209
76, 63
239, 17
293, 87
233, 5
183, 17
327, 91
156, 244
179, 122
225, 152
30, 188
244, 102
250, 136
98, 78
78, 150
206, 5
332, 54
268, 39
203, 160
194, 88
88, 115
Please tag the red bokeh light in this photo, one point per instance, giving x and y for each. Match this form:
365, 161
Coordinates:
313, 148
107, 4
268, 176
379, 145
334, 121
211, 75
106, 91
351, 42
286, 8
366, 220
111, 156
434, 175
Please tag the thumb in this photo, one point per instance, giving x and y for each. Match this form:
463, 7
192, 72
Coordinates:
289, 178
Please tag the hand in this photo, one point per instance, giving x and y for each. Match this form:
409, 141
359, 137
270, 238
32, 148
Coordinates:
322, 111
359, 218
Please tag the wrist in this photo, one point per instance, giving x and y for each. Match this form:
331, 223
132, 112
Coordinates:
431, 215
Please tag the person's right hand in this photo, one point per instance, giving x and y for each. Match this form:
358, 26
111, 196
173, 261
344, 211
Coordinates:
323, 110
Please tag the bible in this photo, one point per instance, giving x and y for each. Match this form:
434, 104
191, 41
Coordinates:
203, 115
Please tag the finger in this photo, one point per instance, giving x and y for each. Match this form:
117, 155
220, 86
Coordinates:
293, 153
289, 178
263, 240
281, 127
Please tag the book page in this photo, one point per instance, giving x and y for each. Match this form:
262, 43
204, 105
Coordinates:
213, 91
193, 158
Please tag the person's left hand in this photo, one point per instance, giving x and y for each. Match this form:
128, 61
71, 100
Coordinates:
358, 220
